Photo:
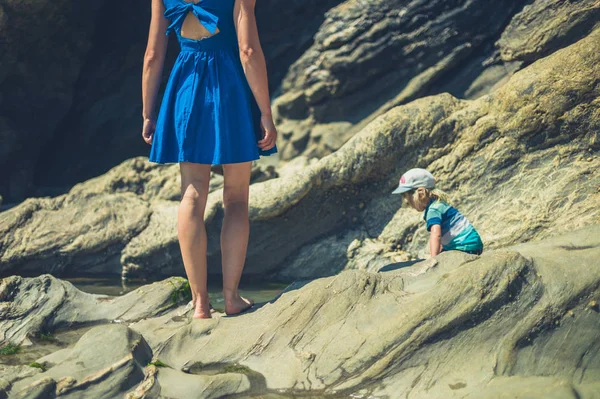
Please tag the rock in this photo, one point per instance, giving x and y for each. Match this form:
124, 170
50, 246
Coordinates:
10, 374
544, 26
131, 199
30, 306
149, 181
368, 57
176, 384
492, 148
460, 325
105, 362
42, 389
87, 230
44, 45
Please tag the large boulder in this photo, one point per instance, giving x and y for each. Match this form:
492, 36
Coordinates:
371, 56
84, 231
546, 25
518, 322
31, 307
107, 361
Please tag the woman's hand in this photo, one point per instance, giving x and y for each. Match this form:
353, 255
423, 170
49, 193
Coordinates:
269, 133
148, 130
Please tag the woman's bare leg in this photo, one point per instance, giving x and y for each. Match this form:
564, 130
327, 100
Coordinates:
191, 232
234, 234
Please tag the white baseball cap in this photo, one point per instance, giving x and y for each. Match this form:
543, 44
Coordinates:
415, 178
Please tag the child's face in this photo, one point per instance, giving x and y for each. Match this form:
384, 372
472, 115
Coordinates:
417, 199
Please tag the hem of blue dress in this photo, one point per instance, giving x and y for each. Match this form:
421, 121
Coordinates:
203, 162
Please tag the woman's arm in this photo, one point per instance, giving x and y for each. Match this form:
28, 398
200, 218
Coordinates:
435, 239
255, 67
153, 66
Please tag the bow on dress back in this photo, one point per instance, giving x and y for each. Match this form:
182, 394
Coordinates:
178, 13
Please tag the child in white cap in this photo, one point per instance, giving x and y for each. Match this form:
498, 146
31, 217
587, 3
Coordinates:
449, 229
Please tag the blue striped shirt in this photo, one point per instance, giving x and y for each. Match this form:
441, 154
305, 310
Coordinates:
457, 232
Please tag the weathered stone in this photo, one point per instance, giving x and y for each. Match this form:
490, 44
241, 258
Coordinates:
105, 362
370, 56
82, 232
457, 325
30, 306
444, 327
544, 26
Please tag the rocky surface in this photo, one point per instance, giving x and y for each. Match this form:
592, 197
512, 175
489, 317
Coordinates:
371, 56
544, 26
31, 307
521, 163
518, 322
86, 230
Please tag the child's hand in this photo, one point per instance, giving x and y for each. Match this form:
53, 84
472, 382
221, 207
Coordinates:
435, 239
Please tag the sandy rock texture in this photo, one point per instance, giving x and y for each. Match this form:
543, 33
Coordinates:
518, 322
87, 229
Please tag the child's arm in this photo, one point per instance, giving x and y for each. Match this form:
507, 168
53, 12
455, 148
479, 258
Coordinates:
435, 238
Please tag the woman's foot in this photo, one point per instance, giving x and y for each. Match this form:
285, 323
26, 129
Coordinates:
202, 309
237, 304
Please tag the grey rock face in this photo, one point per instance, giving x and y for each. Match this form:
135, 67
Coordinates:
546, 25
445, 327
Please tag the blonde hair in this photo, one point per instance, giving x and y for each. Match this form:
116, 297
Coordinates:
435, 193
438, 195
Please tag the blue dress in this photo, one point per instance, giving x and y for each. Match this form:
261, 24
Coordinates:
208, 113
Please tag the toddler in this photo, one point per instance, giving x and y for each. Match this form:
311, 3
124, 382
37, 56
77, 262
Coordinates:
449, 229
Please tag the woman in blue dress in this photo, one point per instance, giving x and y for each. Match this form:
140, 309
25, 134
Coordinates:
215, 110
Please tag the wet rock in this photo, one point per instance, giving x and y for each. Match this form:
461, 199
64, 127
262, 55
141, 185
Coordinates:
31, 306
107, 361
